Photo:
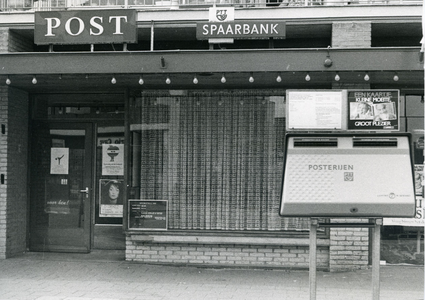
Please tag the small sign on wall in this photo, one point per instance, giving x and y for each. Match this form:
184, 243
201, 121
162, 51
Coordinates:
147, 214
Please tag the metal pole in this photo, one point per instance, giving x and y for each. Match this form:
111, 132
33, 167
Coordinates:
376, 257
313, 258
152, 34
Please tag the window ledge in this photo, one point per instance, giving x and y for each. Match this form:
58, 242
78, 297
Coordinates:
197, 239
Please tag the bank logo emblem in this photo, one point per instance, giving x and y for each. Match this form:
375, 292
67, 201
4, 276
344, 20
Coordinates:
221, 14
348, 176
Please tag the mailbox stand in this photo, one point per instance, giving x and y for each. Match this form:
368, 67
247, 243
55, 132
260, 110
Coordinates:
376, 244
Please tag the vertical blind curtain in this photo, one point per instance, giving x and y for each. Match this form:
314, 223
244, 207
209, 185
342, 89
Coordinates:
217, 157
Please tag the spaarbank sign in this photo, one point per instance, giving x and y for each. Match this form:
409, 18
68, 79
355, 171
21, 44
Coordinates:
85, 27
241, 30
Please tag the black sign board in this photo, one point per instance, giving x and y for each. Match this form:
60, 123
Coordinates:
85, 27
147, 214
241, 30
373, 110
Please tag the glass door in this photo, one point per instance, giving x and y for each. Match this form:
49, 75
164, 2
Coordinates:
61, 187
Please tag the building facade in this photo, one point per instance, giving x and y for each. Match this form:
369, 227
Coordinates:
169, 145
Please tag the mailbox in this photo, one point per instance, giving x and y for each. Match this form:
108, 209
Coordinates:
348, 175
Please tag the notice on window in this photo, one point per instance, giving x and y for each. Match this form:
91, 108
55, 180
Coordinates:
373, 110
314, 110
147, 214
111, 198
113, 159
59, 160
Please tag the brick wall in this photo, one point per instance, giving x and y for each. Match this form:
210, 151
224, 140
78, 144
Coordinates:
3, 169
13, 165
225, 255
17, 162
349, 247
18, 43
11, 41
13, 156
351, 34
4, 39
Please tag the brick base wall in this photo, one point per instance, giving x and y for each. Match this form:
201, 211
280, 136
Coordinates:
349, 247
346, 249
225, 255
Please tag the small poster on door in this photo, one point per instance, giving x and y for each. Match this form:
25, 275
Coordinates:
113, 159
111, 198
59, 161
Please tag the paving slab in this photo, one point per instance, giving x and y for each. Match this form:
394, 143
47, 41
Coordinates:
63, 276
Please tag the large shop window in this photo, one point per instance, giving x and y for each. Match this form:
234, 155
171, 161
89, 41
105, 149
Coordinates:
216, 157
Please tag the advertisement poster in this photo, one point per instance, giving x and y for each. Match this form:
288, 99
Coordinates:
59, 161
419, 179
373, 110
113, 159
315, 110
148, 214
111, 198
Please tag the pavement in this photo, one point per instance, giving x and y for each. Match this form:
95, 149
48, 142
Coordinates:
103, 275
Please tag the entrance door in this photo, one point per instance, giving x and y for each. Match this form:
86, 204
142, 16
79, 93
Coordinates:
61, 191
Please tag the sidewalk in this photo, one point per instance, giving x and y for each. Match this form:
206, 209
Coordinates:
52, 276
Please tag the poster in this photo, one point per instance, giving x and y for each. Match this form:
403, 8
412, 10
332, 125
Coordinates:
148, 214
113, 159
419, 179
315, 110
111, 198
59, 161
373, 110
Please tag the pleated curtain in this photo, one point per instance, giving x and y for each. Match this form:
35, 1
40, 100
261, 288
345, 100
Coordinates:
216, 157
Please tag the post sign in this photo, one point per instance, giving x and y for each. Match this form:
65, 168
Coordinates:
348, 175
373, 110
147, 214
241, 30
85, 27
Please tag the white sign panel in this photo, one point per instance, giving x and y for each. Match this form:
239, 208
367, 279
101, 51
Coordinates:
113, 159
59, 161
315, 110
221, 14
348, 176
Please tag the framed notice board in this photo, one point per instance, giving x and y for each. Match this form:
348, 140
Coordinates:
147, 214
316, 110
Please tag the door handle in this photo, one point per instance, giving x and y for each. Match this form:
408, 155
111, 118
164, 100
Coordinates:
86, 191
